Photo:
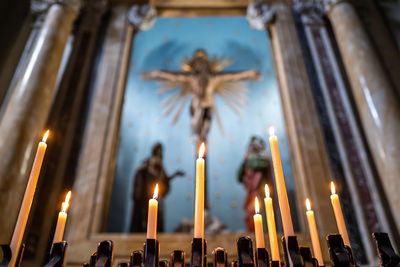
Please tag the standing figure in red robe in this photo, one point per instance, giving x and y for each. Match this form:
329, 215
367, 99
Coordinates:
254, 173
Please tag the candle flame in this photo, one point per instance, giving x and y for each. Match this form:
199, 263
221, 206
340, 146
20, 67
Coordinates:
68, 197
257, 205
65, 204
155, 195
202, 150
267, 191
46, 134
333, 190
271, 130
308, 204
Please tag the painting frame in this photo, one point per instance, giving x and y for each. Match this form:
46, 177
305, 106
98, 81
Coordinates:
92, 188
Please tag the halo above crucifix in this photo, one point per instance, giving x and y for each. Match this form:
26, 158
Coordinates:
200, 80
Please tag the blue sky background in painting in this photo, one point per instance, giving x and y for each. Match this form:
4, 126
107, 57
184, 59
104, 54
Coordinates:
163, 47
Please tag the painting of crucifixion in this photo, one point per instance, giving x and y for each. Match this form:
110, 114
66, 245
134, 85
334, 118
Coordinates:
183, 88
200, 80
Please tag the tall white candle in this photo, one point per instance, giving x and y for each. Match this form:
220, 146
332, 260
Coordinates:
337, 209
269, 211
23, 215
258, 226
199, 201
62, 220
152, 216
312, 226
280, 185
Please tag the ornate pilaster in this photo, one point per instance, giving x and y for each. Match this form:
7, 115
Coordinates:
358, 176
95, 171
27, 110
374, 95
308, 155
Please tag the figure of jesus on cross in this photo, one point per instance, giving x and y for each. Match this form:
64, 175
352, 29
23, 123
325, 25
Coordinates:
202, 79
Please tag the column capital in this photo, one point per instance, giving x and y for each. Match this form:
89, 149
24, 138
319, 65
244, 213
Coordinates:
260, 14
142, 16
311, 11
329, 4
41, 6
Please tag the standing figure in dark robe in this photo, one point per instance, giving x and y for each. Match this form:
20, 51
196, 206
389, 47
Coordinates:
148, 174
254, 173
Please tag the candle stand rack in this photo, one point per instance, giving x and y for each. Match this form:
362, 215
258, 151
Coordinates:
244, 247
262, 259
198, 256
151, 253
291, 251
340, 255
294, 256
177, 258
7, 254
386, 253
57, 254
136, 259
220, 257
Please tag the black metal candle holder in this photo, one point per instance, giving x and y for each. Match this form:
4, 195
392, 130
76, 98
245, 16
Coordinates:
295, 256
220, 257
7, 255
262, 258
104, 255
198, 257
387, 256
163, 263
291, 252
57, 254
340, 255
151, 253
92, 261
136, 259
308, 260
178, 258
245, 252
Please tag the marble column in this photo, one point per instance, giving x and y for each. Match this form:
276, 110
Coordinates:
26, 113
374, 95
308, 154
357, 173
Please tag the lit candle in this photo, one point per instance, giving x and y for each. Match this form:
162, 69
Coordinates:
280, 185
269, 211
152, 216
199, 201
62, 219
337, 209
27, 200
258, 226
312, 226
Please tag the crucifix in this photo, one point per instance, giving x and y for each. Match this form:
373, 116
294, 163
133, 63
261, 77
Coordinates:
200, 80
